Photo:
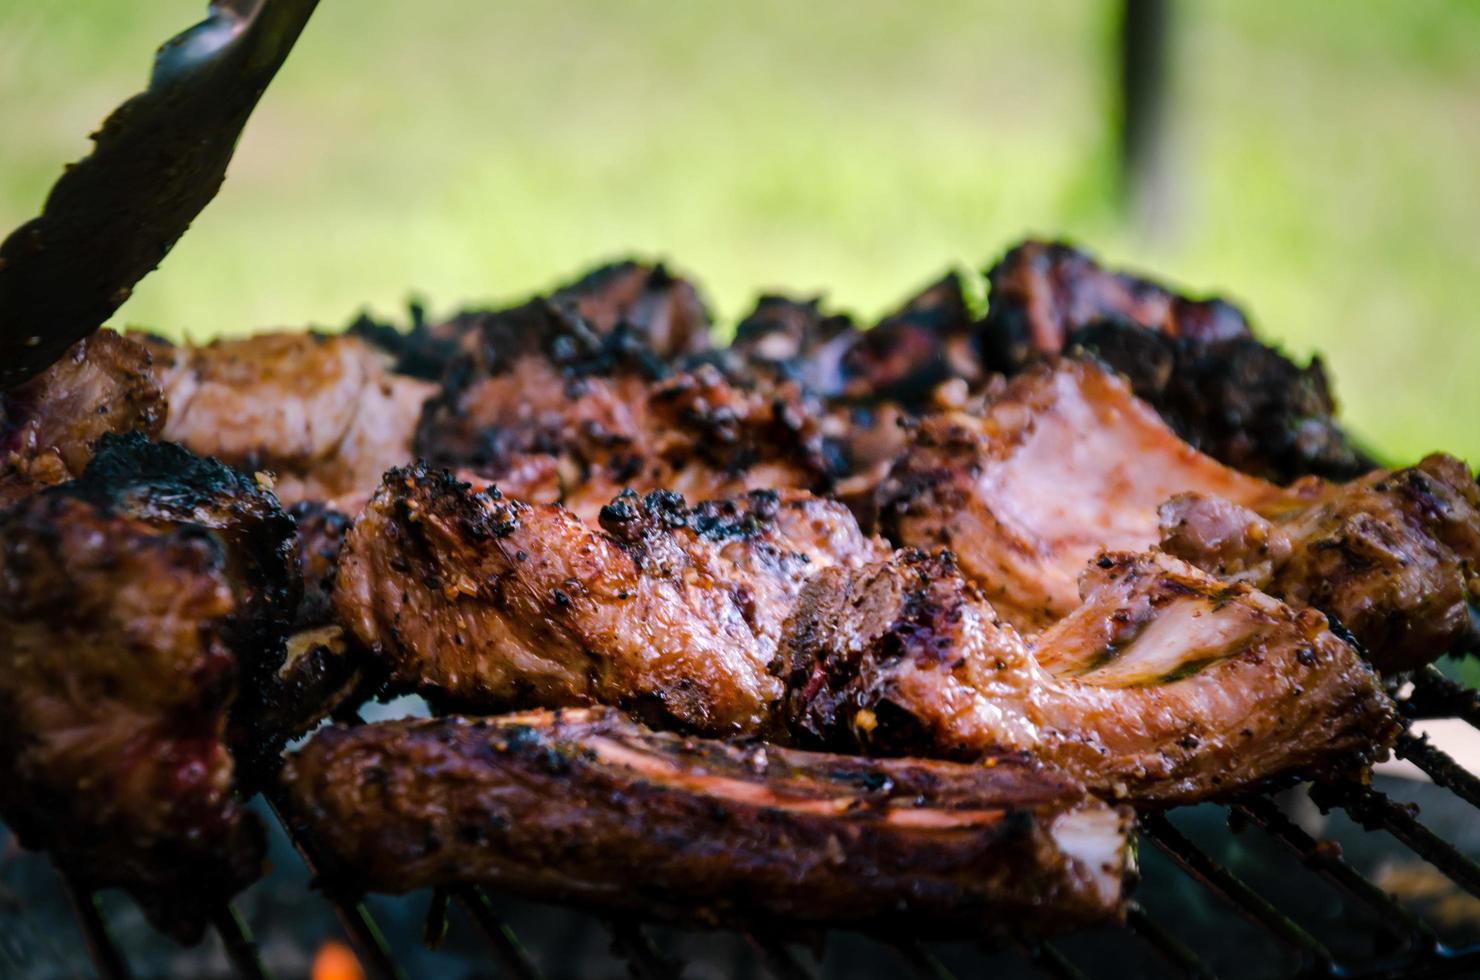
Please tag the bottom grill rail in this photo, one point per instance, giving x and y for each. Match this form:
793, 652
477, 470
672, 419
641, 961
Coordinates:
1176, 863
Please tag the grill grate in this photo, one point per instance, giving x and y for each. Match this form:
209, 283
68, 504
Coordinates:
1417, 950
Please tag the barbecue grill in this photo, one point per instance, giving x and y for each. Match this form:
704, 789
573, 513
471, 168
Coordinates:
1238, 890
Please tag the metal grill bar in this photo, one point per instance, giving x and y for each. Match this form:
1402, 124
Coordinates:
1439, 767
1251, 904
1168, 946
363, 932
644, 959
1327, 862
780, 961
922, 963
240, 949
105, 953
1436, 696
507, 948
1051, 962
1374, 811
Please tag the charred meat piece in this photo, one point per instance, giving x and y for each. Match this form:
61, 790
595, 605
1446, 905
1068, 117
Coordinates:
323, 667
323, 414
1195, 361
142, 611
583, 806
477, 600
907, 354
553, 412
1237, 400
1164, 686
795, 340
663, 310
1393, 556
1067, 462
49, 424
1041, 292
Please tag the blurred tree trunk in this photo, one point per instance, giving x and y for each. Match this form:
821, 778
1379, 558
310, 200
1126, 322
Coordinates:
1144, 35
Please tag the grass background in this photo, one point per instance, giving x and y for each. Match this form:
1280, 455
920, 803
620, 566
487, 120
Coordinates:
1324, 161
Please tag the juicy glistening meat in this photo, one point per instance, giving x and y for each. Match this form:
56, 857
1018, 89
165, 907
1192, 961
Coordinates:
48, 425
1163, 686
323, 414
1067, 462
142, 609
1194, 361
672, 612
583, 806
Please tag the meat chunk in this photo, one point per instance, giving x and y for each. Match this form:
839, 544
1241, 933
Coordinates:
1067, 462
1393, 556
795, 340
552, 411
323, 414
48, 425
1064, 463
1195, 361
583, 806
929, 340
1164, 686
142, 613
673, 612
664, 310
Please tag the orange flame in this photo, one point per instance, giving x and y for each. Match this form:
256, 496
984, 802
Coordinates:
335, 961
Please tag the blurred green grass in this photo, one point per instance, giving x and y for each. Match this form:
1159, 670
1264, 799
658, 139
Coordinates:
1326, 162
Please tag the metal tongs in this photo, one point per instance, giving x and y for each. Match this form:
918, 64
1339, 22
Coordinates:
159, 158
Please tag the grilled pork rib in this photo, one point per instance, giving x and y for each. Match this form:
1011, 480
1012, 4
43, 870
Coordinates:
141, 620
583, 806
1067, 462
673, 612
1164, 686
1195, 361
48, 425
324, 414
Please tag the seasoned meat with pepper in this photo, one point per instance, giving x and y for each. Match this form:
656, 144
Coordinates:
49, 424
1394, 556
1164, 685
323, 414
475, 599
142, 614
583, 806
1067, 462
1194, 361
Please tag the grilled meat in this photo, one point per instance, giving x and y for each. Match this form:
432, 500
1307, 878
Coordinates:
906, 355
323, 414
1393, 556
475, 599
49, 424
553, 411
1163, 686
664, 310
1067, 462
795, 340
1195, 361
583, 806
142, 610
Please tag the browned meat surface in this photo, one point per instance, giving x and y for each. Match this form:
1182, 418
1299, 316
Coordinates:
1064, 463
1067, 462
794, 339
664, 310
1163, 686
553, 412
673, 612
1394, 556
1195, 361
907, 354
49, 424
583, 806
142, 610
323, 414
